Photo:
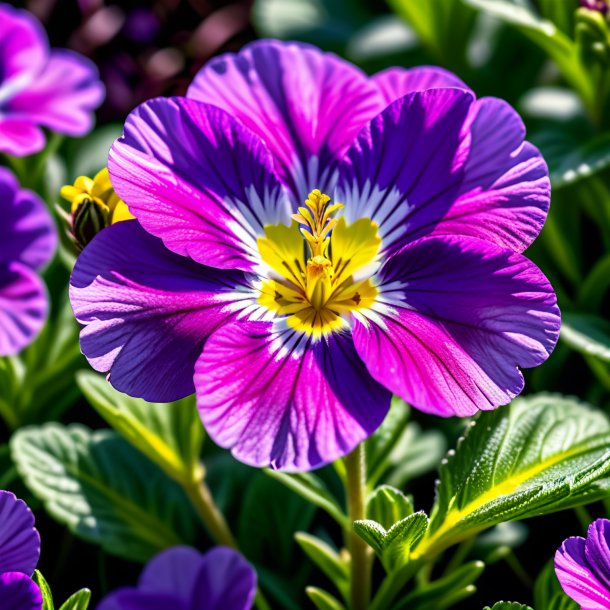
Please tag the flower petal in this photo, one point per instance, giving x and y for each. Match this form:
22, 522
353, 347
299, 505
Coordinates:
20, 137
146, 311
63, 95
576, 578
19, 540
404, 170
505, 194
226, 582
132, 599
23, 307
597, 550
19, 592
308, 106
277, 399
27, 231
199, 180
395, 83
456, 317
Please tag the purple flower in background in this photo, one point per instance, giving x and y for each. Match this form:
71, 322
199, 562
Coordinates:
27, 242
298, 322
19, 554
180, 578
55, 88
583, 567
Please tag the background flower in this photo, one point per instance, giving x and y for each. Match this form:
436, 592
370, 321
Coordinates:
180, 578
27, 242
57, 89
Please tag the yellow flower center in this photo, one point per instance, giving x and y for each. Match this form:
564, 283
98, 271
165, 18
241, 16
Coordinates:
318, 266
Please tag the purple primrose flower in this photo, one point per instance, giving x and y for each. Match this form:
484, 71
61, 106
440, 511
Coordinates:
294, 323
583, 567
19, 554
180, 578
55, 88
27, 242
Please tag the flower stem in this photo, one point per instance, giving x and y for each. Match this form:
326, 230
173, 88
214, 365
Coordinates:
361, 553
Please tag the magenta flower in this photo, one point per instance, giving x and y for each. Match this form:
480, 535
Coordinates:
19, 554
55, 88
27, 242
180, 578
299, 322
583, 567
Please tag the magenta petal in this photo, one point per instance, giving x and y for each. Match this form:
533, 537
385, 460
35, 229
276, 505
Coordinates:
19, 540
404, 170
19, 592
505, 194
27, 232
458, 316
226, 581
199, 180
308, 106
576, 577
23, 307
597, 550
146, 311
395, 83
19, 137
23, 45
63, 95
278, 400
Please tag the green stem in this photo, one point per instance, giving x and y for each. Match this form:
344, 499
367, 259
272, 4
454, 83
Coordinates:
213, 520
393, 583
361, 554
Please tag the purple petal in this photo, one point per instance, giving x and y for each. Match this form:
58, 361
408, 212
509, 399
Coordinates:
23, 45
19, 137
457, 317
576, 578
505, 194
19, 540
146, 311
395, 83
132, 599
404, 169
63, 95
19, 592
308, 106
278, 399
597, 550
23, 307
27, 233
199, 180
226, 582
173, 572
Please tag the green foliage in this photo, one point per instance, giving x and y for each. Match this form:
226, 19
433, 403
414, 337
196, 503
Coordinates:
77, 601
323, 600
587, 334
388, 505
45, 590
103, 490
508, 606
534, 457
171, 435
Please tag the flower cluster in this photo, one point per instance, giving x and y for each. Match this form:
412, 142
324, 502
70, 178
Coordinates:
402, 273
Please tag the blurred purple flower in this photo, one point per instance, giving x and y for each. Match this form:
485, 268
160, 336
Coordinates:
181, 578
19, 554
56, 88
27, 242
601, 6
583, 567
297, 339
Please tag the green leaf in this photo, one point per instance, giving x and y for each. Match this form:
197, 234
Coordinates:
444, 592
45, 590
78, 601
393, 546
103, 489
388, 505
587, 334
171, 435
536, 456
508, 606
323, 600
327, 559
311, 487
